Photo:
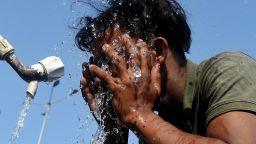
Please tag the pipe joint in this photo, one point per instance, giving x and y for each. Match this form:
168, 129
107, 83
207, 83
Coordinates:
5, 48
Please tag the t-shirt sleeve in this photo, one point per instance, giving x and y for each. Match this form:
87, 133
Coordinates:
229, 84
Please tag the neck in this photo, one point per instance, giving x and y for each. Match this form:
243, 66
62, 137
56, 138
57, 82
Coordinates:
173, 82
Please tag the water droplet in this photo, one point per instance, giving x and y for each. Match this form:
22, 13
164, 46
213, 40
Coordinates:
137, 73
114, 42
136, 50
123, 87
73, 92
114, 15
120, 50
116, 130
116, 27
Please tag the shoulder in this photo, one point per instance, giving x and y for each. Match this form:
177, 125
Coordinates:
227, 83
227, 64
228, 59
231, 97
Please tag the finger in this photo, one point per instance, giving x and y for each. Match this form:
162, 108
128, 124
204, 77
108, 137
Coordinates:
91, 61
97, 81
132, 49
156, 79
86, 71
143, 56
87, 95
90, 79
117, 60
84, 66
103, 76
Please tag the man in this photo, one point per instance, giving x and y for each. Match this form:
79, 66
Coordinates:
159, 94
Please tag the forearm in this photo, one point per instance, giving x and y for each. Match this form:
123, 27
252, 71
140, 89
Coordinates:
152, 129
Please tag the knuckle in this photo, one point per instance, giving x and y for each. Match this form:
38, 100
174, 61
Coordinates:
142, 44
91, 67
82, 81
125, 36
116, 60
107, 79
127, 81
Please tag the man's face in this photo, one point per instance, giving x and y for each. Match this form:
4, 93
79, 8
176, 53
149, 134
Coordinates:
117, 41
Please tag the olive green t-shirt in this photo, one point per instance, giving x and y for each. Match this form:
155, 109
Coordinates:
224, 83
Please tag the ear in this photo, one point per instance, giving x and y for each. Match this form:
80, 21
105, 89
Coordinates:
160, 47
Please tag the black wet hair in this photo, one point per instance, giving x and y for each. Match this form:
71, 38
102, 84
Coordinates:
145, 19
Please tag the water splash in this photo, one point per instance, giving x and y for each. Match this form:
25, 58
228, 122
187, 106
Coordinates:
103, 113
136, 69
84, 123
100, 108
137, 73
20, 123
103, 98
79, 139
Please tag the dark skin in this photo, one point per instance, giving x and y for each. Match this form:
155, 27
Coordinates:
133, 100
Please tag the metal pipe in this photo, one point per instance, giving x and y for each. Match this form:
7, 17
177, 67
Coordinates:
26, 73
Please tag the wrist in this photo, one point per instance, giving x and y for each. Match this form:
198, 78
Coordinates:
138, 119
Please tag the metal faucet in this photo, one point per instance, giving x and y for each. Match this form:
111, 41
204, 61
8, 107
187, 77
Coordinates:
48, 69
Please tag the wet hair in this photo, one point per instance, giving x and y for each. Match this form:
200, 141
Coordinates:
145, 19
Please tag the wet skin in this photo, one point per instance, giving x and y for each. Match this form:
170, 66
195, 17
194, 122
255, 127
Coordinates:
133, 100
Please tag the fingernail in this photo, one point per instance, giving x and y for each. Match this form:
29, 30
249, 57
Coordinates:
126, 35
84, 65
84, 69
81, 86
140, 40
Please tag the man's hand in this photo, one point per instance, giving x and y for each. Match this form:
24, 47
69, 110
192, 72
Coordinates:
132, 94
